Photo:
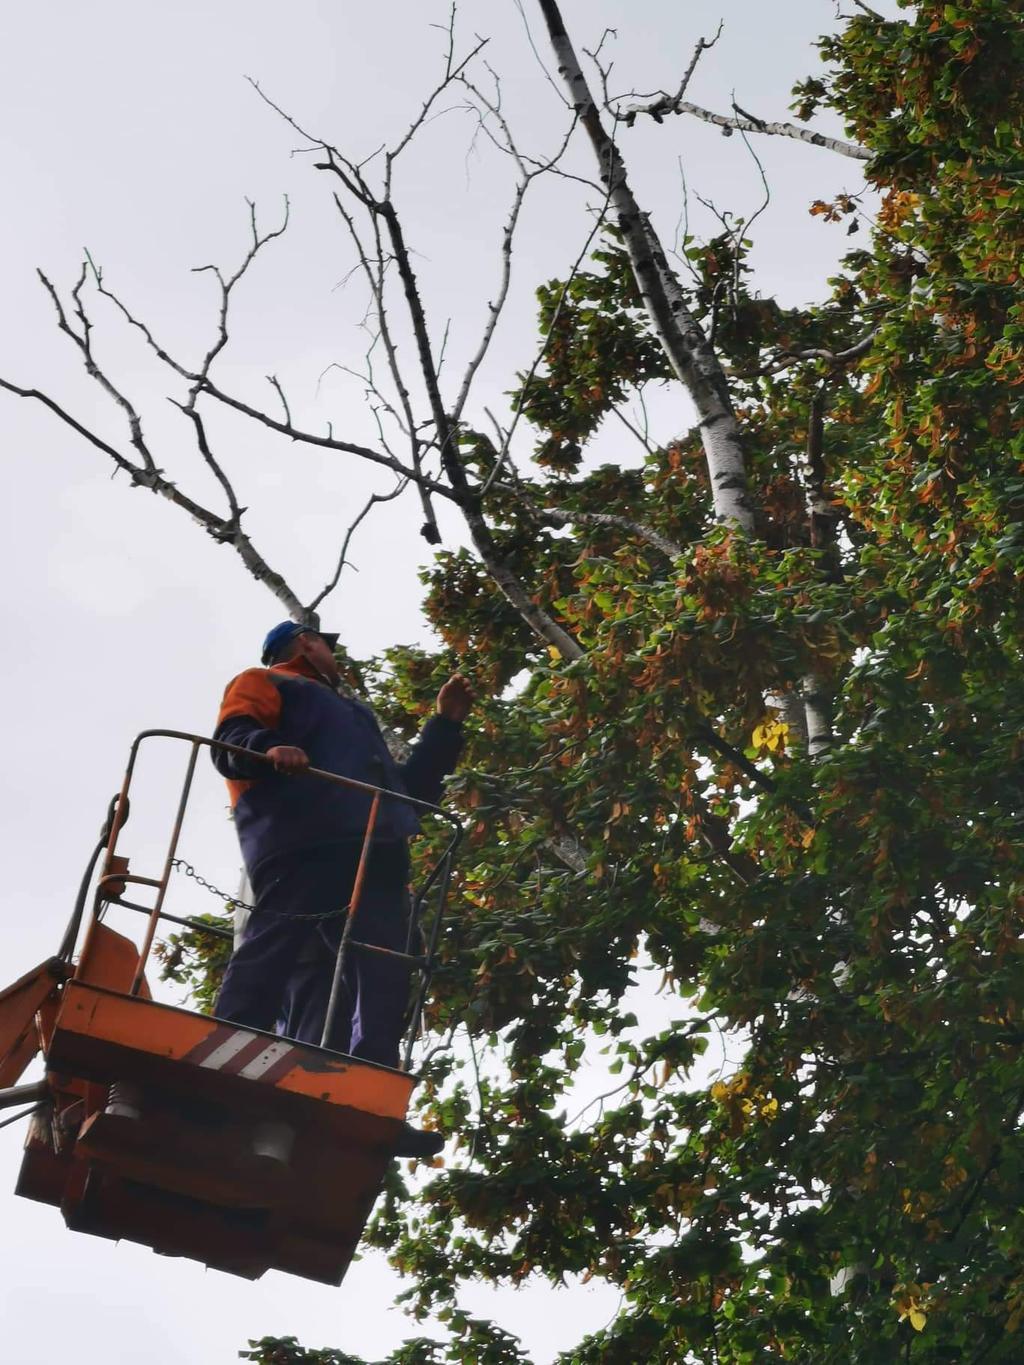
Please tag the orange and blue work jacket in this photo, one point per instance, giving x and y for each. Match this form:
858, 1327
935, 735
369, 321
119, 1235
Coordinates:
276, 814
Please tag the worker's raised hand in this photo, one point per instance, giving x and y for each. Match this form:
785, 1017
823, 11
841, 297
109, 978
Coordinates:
456, 698
288, 759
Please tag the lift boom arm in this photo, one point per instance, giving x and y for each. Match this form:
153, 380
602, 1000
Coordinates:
19, 1041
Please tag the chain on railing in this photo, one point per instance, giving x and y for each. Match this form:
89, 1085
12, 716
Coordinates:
235, 902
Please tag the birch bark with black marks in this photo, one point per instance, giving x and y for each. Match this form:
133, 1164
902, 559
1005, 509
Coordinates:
688, 349
686, 346
743, 123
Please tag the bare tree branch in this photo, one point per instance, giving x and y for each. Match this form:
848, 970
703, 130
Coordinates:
83, 341
201, 383
657, 109
784, 359
138, 477
381, 208
200, 380
226, 286
659, 97
375, 273
503, 451
535, 617
633, 429
329, 442
568, 517
539, 59
275, 384
527, 175
453, 71
204, 449
376, 498
226, 531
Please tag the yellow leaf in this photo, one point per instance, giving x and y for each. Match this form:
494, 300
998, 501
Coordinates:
760, 735
918, 1319
808, 838
554, 652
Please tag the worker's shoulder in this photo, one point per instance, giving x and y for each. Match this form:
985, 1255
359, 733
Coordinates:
251, 680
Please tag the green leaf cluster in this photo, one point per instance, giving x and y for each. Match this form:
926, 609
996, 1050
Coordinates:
820, 1157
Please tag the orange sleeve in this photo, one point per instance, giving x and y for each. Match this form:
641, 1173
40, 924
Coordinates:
251, 694
248, 718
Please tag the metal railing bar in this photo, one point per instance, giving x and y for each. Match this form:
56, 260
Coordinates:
423, 892
172, 849
353, 907
116, 877
253, 756
118, 815
442, 895
415, 959
445, 867
213, 929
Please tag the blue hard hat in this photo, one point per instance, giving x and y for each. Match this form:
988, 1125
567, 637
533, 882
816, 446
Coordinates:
284, 633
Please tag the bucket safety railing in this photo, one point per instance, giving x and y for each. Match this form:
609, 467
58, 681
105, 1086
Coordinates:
426, 904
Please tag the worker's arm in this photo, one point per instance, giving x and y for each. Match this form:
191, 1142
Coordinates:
249, 714
437, 750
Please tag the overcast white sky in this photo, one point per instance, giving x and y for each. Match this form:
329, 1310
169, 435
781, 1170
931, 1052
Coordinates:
128, 129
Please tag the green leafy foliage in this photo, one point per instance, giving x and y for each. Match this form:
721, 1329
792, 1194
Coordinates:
195, 960
844, 1182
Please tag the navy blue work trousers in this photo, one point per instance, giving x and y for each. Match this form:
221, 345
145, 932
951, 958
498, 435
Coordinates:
280, 975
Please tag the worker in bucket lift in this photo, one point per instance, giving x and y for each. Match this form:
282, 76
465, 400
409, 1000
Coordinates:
301, 842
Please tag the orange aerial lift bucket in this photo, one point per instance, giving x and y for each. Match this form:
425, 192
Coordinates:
199, 1138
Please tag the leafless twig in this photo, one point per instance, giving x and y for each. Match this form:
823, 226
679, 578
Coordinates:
660, 102
640, 435
145, 472
375, 271
527, 175
599, 220
540, 61
372, 502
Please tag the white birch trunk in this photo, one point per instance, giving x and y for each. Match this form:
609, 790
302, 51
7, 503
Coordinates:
816, 693
791, 707
690, 354
818, 714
